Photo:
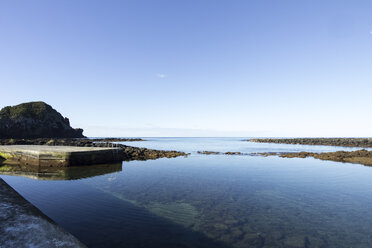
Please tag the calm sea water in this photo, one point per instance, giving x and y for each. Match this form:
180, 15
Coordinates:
210, 200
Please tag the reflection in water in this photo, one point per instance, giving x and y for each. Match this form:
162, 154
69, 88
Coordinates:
213, 201
62, 173
254, 201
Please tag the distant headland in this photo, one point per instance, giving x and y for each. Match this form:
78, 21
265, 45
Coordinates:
346, 142
37, 124
35, 120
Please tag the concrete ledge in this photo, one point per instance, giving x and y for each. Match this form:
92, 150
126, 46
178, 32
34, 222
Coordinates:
60, 156
23, 225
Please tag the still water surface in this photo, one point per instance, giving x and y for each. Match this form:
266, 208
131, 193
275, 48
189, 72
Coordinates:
211, 200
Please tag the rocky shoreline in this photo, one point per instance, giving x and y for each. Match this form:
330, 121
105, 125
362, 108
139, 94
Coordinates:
220, 153
130, 152
346, 142
363, 157
117, 139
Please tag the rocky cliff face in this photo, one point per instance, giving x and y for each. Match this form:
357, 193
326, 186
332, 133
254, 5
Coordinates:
35, 120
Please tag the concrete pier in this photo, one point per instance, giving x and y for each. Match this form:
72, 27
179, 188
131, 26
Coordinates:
23, 225
60, 156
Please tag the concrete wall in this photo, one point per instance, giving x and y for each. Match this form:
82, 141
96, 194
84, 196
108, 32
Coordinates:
23, 225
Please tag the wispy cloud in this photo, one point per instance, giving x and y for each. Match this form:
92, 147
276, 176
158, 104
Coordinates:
161, 75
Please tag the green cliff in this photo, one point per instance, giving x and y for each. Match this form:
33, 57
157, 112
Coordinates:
35, 120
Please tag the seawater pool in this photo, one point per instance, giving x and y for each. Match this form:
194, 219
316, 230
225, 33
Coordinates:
212, 200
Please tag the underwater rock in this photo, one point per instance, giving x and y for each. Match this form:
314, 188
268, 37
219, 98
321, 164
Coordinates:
294, 242
236, 233
220, 226
254, 239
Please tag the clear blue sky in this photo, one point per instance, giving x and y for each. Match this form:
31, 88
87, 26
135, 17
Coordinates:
193, 67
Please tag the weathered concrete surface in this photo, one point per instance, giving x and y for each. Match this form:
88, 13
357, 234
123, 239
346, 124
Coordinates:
60, 156
129, 152
23, 225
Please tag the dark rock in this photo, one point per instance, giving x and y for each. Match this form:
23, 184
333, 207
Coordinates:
358, 157
130, 152
208, 152
233, 153
35, 120
254, 240
117, 139
219, 153
347, 142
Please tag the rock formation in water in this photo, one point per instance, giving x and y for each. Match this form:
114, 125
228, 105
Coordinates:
221, 153
35, 120
348, 142
357, 157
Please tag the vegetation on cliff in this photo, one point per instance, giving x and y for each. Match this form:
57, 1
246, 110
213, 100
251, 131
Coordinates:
35, 120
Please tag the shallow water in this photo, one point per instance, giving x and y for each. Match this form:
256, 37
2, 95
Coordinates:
212, 200
192, 145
